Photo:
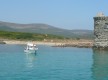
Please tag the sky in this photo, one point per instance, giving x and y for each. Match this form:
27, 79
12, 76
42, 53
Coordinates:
66, 14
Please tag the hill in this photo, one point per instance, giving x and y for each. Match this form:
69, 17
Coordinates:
45, 29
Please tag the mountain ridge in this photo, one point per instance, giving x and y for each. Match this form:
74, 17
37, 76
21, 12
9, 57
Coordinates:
45, 29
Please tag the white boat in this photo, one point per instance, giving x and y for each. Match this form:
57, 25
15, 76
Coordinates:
31, 48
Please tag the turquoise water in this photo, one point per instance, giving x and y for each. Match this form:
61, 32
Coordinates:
52, 63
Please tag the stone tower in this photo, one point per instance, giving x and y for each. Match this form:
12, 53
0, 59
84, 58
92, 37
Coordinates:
101, 31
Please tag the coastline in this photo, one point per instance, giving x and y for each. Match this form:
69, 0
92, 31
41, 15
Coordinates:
62, 43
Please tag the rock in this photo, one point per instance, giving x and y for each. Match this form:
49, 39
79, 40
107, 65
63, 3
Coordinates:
1, 42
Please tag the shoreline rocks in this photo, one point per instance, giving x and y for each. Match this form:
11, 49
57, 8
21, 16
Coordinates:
72, 43
79, 45
1, 42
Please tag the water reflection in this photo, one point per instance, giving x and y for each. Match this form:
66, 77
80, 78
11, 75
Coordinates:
30, 58
100, 65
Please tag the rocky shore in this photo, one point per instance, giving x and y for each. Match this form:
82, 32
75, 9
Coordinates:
66, 43
80, 44
85, 45
2, 42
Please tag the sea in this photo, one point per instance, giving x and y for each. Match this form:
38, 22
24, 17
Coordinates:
52, 63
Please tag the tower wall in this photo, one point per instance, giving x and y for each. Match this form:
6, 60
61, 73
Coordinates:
101, 31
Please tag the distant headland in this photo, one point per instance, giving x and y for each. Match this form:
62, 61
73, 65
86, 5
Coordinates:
13, 33
41, 28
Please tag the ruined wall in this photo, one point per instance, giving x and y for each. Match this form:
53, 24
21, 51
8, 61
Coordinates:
101, 31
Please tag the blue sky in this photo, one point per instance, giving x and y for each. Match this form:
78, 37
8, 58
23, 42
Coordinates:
67, 14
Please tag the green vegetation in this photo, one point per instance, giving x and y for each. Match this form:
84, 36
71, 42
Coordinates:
27, 36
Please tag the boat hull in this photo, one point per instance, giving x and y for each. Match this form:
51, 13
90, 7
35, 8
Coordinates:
30, 51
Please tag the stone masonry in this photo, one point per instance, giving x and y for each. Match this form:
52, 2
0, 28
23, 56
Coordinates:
101, 31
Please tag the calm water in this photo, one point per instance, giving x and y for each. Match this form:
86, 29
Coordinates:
52, 63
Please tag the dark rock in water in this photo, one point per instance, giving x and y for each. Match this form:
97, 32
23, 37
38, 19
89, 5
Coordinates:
100, 48
1, 42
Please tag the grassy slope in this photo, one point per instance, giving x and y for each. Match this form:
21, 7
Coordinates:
27, 36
